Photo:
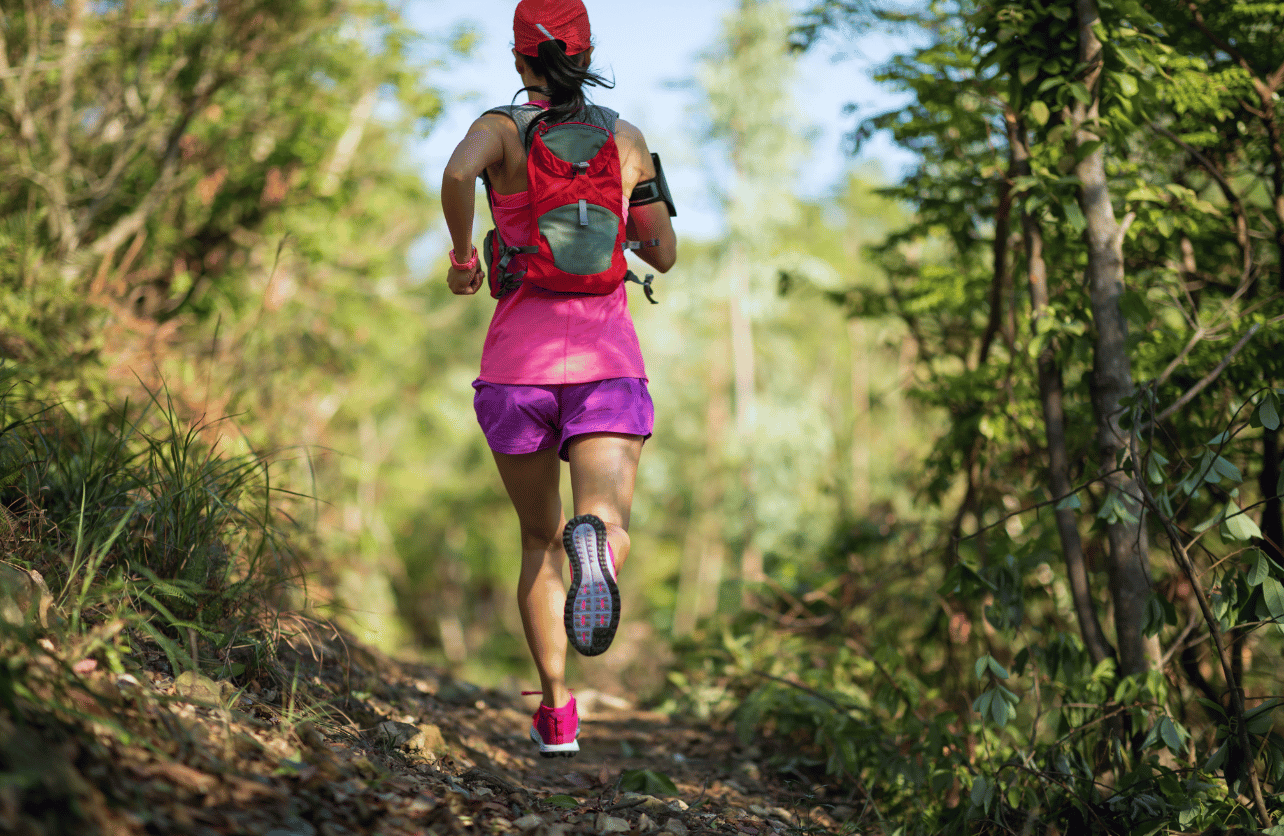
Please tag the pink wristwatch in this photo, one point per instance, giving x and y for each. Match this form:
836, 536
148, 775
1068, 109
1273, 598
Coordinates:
467, 265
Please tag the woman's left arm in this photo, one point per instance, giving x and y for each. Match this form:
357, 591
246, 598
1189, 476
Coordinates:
651, 221
481, 148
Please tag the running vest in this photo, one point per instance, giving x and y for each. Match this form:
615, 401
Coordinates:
577, 237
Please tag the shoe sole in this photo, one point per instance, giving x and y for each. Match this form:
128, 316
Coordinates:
564, 750
593, 602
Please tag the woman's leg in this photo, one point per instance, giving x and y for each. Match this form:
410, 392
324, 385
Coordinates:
531, 480
604, 467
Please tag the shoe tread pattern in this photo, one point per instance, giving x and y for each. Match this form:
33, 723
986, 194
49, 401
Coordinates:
592, 611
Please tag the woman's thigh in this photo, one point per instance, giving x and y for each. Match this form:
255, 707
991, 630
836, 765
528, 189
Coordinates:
604, 467
532, 482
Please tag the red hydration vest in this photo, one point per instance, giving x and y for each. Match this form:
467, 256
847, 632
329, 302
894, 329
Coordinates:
577, 237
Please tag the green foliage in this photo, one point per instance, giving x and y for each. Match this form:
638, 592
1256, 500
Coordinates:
1039, 732
140, 509
648, 782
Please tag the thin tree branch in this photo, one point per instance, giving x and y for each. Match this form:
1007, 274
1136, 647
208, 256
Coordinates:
1223, 656
1208, 378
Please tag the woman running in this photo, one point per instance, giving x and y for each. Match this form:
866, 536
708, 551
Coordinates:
562, 377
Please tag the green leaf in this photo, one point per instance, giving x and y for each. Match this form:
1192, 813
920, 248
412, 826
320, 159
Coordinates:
647, 782
1261, 570
1072, 502
1127, 84
981, 792
564, 802
1075, 216
1080, 91
1269, 412
1000, 711
1168, 731
1273, 594
1130, 57
1217, 759
981, 705
1228, 470
1239, 525
1028, 69
1039, 113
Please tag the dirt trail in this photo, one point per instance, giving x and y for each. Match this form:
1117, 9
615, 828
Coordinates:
396, 748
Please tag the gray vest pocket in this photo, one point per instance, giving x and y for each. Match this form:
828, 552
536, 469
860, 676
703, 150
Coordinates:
581, 249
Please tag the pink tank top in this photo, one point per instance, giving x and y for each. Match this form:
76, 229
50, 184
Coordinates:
537, 336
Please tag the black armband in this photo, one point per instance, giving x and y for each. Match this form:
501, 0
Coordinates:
654, 190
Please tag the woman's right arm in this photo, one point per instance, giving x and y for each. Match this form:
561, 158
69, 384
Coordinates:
481, 148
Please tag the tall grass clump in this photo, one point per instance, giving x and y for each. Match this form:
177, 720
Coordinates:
134, 513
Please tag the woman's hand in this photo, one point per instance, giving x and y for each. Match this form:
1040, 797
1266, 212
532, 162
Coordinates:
467, 281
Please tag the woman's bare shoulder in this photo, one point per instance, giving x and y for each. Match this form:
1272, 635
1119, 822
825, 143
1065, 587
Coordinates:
627, 132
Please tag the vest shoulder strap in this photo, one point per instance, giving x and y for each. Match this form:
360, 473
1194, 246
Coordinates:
523, 114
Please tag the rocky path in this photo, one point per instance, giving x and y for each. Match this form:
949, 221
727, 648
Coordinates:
345, 741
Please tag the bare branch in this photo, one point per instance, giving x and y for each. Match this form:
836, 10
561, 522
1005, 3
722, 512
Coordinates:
1210, 377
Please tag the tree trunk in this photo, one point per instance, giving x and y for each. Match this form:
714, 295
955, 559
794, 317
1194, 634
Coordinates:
1052, 398
703, 552
1128, 554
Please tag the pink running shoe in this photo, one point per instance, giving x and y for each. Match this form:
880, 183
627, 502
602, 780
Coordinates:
593, 602
556, 730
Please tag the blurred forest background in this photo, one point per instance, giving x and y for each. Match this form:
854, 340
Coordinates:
966, 486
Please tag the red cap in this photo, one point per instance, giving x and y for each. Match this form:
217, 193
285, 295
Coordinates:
536, 21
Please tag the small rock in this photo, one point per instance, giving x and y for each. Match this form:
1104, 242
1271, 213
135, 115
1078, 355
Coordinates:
677, 805
843, 813
645, 825
750, 770
676, 827
24, 596
651, 804
198, 688
428, 741
528, 822
611, 824
459, 693
782, 814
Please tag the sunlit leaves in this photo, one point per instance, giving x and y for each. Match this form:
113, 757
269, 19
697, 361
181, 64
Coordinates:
1238, 525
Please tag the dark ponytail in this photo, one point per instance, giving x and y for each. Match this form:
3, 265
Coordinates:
565, 77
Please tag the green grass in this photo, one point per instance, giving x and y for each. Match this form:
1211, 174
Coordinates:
135, 514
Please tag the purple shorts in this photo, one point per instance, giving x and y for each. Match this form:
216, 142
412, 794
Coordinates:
524, 419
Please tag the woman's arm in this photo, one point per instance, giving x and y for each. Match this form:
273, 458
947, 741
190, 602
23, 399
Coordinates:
481, 148
649, 222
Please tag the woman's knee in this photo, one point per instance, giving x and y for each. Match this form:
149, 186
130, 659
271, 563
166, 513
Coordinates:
539, 539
